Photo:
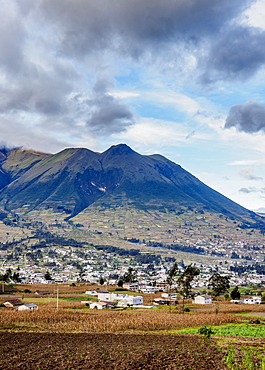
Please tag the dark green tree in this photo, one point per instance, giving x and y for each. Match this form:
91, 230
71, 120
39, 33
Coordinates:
120, 283
47, 276
101, 280
219, 284
7, 276
129, 276
235, 293
16, 277
185, 279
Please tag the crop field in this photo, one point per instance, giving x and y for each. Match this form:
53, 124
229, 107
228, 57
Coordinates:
77, 337
127, 221
96, 351
47, 318
117, 226
165, 226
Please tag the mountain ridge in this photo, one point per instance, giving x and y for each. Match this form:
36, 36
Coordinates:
75, 178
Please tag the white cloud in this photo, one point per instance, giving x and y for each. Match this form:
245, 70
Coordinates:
124, 94
155, 132
255, 15
246, 162
180, 102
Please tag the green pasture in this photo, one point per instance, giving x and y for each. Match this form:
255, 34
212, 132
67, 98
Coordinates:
234, 330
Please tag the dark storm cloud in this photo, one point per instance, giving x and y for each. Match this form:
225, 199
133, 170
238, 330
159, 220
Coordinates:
206, 29
238, 53
136, 26
51, 49
107, 113
249, 117
39, 90
12, 37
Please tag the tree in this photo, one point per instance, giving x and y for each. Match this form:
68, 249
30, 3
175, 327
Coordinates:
16, 277
219, 284
185, 279
120, 283
101, 280
7, 276
47, 276
235, 294
172, 275
129, 276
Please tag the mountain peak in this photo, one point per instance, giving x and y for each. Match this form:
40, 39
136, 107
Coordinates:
120, 149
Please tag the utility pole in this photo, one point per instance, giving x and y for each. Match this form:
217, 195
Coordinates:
57, 298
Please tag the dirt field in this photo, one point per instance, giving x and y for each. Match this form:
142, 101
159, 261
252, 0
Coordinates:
42, 351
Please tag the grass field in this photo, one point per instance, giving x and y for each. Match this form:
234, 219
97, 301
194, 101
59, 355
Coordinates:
256, 330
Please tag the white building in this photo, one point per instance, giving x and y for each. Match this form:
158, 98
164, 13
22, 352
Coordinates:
25, 307
122, 300
203, 299
252, 300
169, 295
147, 289
98, 305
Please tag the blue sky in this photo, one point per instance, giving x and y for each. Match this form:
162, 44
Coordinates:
181, 78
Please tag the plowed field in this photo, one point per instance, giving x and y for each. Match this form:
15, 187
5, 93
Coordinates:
42, 351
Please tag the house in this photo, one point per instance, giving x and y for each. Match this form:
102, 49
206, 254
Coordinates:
13, 303
162, 286
29, 306
169, 295
98, 305
134, 287
160, 301
148, 289
252, 300
203, 299
91, 293
43, 292
102, 291
121, 300
112, 282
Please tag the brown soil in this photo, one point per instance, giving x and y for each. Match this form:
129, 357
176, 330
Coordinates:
42, 351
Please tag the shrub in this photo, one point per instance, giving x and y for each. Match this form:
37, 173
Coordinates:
206, 332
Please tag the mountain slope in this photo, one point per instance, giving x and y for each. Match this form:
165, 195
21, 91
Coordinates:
77, 178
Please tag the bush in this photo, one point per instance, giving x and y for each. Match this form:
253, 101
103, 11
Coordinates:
206, 332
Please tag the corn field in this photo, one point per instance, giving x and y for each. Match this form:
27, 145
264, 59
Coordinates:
84, 320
